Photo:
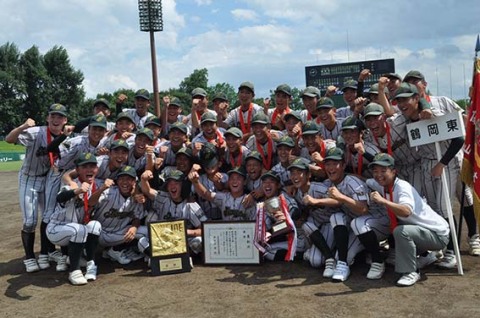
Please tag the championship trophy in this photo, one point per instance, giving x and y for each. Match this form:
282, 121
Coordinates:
280, 227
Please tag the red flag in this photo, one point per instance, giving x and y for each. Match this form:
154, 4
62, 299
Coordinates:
471, 161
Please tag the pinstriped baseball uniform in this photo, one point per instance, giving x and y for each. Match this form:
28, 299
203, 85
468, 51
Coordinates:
344, 112
304, 116
334, 133
233, 120
376, 219
282, 172
351, 159
169, 159
252, 145
328, 145
66, 223
201, 138
231, 208
137, 163
115, 213
104, 171
139, 121
211, 210
319, 218
196, 131
31, 177
253, 184
228, 160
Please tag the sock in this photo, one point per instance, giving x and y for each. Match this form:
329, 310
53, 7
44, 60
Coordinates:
28, 240
370, 242
340, 232
75, 252
91, 246
391, 241
64, 250
319, 241
470, 220
45, 245
450, 242
280, 255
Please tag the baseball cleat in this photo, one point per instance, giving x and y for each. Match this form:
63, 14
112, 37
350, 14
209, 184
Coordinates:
424, 261
376, 271
448, 261
62, 264
91, 273
43, 261
408, 279
474, 245
54, 256
329, 268
118, 256
342, 271
76, 278
31, 265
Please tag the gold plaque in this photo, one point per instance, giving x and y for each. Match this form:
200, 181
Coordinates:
168, 238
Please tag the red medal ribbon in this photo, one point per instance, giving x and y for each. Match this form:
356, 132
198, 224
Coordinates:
267, 160
309, 117
292, 235
391, 215
239, 159
276, 113
245, 129
51, 156
219, 137
86, 215
389, 140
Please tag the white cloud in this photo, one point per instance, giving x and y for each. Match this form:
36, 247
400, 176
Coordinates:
244, 14
203, 2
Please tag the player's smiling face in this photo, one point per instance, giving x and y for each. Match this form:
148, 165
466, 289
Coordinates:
95, 134
326, 115
245, 96
155, 129
283, 153
282, 100
56, 123
124, 125
270, 187
310, 142
233, 143
87, 172
236, 183
142, 104
310, 104
174, 188
260, 131
126, 185
385, 176
183, 163
172, 113
335, 170
409, 106
376, 124
351, 136
141, 143
177, 138
299, 177
118, 157
349, 95
254, 169
209, 129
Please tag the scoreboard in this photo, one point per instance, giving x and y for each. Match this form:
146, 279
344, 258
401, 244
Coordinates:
322, 76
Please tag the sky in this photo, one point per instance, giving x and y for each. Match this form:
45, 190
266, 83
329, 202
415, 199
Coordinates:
268, 42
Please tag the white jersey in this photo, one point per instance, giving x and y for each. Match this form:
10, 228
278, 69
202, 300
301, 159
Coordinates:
138, 163
232, 161
195, 131
170, 156
233, 118
252, 145
283, 173
253, 184
137, 119
334, 133
317, 190
104, 171
166, 210
210, 209
305, 116
71, 148
37, 161
219, 138
115, 212
352, 160
344, 112
422, 214
72, 211
232, 208
328, 144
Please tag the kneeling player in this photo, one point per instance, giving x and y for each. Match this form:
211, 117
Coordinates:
70, 224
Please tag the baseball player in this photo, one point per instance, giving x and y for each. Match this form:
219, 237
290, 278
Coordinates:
199, 107
253, 165
210, 133
285, 146
100, 106
235, 152
329, 125
124, 126
358, 224
171, 205
262, 141
140, 113
71, 224
229, 203
141, 150
349, 90
283, 98
310, 96
31, 180
177, 139
293, 129
419, 228
312, 199
174, 114
119, 214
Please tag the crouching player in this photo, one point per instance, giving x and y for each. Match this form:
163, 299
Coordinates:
70, 224
170, 205
119, 214
419, 228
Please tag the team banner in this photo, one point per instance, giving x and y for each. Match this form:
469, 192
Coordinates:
169, 247
471, 161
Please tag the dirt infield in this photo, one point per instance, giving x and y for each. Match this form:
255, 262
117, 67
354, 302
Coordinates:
268, 290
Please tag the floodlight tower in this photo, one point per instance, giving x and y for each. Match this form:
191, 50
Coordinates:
151, 20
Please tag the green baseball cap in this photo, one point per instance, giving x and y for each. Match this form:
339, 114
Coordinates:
124, 115
310, 128
325, 102
238, 170
414, 74
334, 154
208, 155
311, 91
153, 120
220, 96
175, 102
187, 151
179, 126
260, 118
176, 175
299, 163
254, 155
270, 174
406, 90
286, 141
350, 84
382, 159
394, 75
208, 117
145, 131
127, 171
234, 131
84, 158
58, 109
142, 93
373, 109
119, 143
248, 85
98, 120
102, 101
352, 123
295, 114
285, 88
199, 92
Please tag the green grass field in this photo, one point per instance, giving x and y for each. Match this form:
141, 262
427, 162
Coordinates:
10, 166
6, 147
